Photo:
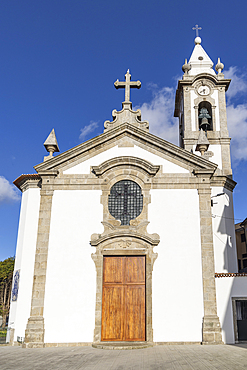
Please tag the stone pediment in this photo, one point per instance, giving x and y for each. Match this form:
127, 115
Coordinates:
129, 135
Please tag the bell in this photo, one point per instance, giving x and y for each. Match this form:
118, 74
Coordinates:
204, 125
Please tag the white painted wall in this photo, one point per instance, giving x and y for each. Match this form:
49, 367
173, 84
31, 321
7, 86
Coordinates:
226, 288
136, 151
177, 273
25, 256
225, 254
69, 310
216, 158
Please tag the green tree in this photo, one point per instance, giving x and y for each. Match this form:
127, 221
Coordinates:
6, 276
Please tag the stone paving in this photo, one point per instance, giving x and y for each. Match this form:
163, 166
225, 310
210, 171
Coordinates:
196, 357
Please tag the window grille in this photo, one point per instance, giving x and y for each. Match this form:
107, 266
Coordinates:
125, 201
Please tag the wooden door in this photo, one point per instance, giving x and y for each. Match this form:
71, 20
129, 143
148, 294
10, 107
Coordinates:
123, 299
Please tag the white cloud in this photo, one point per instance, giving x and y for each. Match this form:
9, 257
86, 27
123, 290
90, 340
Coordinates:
238, 84
237, 125
7, 191
159, 113
88, 129
237, 113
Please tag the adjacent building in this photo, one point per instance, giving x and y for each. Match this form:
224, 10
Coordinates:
241, 233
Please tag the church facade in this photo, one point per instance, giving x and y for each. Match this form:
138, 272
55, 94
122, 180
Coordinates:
129, 238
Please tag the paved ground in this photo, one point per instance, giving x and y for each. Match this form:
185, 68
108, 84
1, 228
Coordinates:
196, 357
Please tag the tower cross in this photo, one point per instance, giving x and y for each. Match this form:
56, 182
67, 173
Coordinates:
197, 28
127, 84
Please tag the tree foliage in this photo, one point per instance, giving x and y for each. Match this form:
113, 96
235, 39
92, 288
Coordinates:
6, 276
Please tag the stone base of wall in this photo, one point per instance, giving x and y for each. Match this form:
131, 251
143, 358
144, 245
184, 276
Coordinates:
72, 344
211, 330
176, 343
34, 333
11, 336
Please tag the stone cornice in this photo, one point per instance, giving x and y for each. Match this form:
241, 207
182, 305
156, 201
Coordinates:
218, 82
142, 164
204, 172
182, 156
25, 182
224, 181
214, 137
49, 173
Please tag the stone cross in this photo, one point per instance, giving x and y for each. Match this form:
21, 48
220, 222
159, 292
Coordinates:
127, 84
196, 28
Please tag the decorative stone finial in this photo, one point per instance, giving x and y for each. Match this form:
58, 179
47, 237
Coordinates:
219, 66
51, 144
198, 40
186, 67
202, 143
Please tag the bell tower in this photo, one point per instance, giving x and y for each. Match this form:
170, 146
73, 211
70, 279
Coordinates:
200, 106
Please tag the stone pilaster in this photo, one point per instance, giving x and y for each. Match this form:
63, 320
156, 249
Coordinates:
34, 334
211, 329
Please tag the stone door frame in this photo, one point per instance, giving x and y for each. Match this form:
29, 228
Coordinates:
124, 246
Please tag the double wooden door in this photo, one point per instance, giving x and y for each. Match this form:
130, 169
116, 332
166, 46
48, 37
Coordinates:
123, 299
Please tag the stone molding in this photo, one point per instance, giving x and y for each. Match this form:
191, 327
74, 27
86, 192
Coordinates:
160, 181
25, 182
215, 137
223, 181
204, 173
140, 164
126, 115
50, 173
97, 239
150, 142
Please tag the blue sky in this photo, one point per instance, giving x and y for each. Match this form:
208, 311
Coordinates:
60, 58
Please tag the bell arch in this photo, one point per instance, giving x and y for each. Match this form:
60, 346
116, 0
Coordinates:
205, 109
209, 104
